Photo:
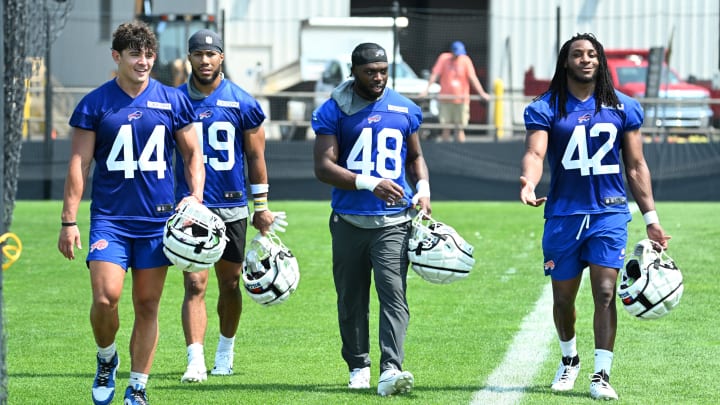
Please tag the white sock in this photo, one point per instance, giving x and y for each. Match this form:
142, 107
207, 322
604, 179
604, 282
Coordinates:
226, 344
138, 380
196, 354
603, 360
569, 348
107, 353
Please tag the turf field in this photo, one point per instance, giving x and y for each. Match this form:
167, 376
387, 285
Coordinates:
458, 343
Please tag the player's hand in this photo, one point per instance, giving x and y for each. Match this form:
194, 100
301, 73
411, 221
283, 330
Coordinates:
527, 193
262, 221
187, 199
389, 191
423, 205
656, 234
69, 239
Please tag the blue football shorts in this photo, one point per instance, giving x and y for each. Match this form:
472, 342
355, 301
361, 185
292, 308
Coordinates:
571, 243
128, 252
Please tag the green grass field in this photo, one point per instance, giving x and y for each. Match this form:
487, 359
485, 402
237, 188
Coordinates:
290, 354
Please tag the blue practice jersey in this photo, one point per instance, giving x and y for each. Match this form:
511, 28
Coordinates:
223, 116
584, 153
371, 142
134, 144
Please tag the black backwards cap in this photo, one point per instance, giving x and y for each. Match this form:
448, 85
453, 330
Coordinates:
368, 52
205, 40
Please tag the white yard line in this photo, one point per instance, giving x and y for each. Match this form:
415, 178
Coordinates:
528, 351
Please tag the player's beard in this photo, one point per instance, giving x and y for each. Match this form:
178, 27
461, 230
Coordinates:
205, 81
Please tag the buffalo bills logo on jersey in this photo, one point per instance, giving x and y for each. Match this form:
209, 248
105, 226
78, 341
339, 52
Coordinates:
205, 114
135, 116
99, 245
584, 118
374, 118
549, 265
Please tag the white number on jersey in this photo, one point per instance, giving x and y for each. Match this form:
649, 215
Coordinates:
584, 162
215, 143
120, 157
360, 157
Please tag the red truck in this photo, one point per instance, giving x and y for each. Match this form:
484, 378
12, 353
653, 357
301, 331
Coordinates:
628, 69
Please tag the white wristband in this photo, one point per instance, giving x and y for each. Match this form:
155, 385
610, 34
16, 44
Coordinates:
365, 182
651, 217
259, 188
422, 188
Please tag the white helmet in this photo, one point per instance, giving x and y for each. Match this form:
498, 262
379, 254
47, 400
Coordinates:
194, 237
437, 253
651, 284
270, 271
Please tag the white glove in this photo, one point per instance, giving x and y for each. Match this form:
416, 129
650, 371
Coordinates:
279, 222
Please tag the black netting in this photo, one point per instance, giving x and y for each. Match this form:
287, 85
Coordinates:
30, 26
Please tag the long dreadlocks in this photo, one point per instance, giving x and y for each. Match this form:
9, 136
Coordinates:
604, 90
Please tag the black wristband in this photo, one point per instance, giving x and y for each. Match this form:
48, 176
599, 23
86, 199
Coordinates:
68, 223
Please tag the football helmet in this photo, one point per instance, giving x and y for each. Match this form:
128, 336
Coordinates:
194, 237
270, 271
651, 284
437, 252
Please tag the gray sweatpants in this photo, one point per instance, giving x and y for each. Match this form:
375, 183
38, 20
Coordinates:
358, 253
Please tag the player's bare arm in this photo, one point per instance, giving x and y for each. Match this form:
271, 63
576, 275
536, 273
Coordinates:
254, 140
532, 167
81, 156
416, 169
189, 147
639, 181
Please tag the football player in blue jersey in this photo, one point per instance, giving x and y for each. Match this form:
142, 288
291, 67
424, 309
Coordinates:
230, 124
367, 148
130, 127
588, 131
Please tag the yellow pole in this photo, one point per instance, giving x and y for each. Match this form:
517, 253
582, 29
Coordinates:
26, 110
499, 119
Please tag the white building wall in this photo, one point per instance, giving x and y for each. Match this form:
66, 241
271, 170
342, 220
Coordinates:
263, 35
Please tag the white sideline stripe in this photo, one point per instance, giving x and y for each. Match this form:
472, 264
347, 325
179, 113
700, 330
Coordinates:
529, 349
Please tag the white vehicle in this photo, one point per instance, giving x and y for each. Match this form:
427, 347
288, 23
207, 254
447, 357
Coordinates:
406, 82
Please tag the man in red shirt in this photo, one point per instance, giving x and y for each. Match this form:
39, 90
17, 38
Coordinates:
456, 72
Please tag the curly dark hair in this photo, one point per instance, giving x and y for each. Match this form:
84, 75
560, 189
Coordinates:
604, 89
134, 35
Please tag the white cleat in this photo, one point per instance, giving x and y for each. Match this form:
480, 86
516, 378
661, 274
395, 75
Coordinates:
566, 375
600, 387
223, 363
393, 381
194, 374
359, 378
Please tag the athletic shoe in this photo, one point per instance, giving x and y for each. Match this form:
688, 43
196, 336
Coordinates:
566, 374
359, 378
223, 363
194, 374
393, 381
600, 386
103, 389
135, 397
